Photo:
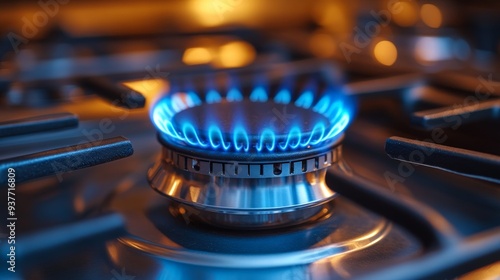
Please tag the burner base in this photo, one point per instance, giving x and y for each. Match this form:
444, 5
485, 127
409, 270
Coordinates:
162, 246
247, 194
251, 203
252, 220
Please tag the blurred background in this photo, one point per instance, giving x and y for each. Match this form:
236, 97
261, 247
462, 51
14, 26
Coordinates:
46, 46
369, 36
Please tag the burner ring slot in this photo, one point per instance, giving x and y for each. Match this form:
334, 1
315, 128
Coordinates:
251, 169
253, 192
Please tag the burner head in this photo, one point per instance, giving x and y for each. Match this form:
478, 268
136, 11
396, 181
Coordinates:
252, 157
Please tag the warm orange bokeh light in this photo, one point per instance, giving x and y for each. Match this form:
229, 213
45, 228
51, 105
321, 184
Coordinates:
332, 15
193, 56
431, 15
236, 54
211, 13
205, 13
322, 44
407, 13
385, 52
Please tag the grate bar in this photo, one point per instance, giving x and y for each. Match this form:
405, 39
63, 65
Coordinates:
66, 159
464, 162
36, 124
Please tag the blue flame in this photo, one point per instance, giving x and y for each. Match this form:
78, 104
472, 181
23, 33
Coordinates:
178, 103
293, 139
318, 128
234, 95
240, 134
194, 140
331, 104
322, 105
193, 97
259, 94
217, 140
284, 96
305, 100
268, 139
213, 96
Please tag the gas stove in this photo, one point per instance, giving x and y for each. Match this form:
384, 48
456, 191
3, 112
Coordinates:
271, 159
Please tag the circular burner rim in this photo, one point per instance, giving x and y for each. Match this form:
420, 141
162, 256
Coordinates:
235, 156
257, 165
331, 107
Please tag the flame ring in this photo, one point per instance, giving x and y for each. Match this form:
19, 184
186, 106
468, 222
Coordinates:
328, 105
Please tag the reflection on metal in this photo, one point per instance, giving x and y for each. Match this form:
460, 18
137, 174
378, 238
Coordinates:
160, 245
258, 193
449, 116
372, 237
489, 272
315, 254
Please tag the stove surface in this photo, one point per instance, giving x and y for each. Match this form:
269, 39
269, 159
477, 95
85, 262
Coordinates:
252, 150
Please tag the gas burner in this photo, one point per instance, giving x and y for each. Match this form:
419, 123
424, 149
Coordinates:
234, 188
231, 158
